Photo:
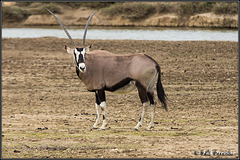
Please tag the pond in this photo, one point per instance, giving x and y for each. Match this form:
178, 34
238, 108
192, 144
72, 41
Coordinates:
167, 34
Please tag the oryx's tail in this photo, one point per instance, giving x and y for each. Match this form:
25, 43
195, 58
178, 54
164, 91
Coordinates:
160, 91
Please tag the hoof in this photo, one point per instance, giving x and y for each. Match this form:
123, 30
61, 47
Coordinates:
135, 129
149, 128
93, 128
101, 129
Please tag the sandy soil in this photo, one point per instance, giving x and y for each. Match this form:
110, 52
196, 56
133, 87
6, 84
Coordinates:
47, 111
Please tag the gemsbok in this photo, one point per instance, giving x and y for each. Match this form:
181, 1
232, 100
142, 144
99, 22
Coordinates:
102, 71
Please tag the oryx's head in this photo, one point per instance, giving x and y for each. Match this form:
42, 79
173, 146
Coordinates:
79, 56
78, 52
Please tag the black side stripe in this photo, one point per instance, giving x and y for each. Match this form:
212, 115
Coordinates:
119, 85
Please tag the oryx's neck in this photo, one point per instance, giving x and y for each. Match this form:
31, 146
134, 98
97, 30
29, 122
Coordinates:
79, 73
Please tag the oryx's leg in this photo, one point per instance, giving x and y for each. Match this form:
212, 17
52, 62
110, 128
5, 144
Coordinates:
102, 100
103, 107
152, 106
144, 99
98, 112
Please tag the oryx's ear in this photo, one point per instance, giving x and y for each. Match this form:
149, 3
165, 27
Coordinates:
69, 50
87, 49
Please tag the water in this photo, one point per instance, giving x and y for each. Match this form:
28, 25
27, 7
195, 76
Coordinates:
133, 34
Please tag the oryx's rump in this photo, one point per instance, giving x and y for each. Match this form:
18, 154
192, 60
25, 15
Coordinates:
111, 72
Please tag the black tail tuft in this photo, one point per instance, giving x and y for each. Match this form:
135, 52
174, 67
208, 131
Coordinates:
160, 91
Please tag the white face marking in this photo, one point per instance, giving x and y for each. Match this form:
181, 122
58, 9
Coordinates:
81, 65
77, 53
83, 53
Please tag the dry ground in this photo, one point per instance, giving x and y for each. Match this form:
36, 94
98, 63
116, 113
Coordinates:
47, 112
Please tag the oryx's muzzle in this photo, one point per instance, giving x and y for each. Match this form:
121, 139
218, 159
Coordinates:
82, 67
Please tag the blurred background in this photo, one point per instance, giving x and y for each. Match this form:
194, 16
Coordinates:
177, 18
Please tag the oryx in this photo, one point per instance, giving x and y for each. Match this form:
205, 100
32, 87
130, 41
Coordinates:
102, 71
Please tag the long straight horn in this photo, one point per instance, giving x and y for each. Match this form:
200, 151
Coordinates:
85, 32
63, 28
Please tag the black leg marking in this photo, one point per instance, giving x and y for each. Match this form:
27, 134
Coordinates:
101, 95
97, 99
103, 117
142, 92
140, 119
151, 97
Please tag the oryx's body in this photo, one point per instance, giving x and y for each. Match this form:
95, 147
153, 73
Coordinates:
111, 72
102, 71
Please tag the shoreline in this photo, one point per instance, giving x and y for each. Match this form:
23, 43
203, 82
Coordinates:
17, 25
120, 40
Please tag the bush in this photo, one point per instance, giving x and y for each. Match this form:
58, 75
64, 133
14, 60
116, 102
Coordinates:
54, 7
74, 5
95, 5
130, 10
226, 8
165, 8
186, 8
14, 14
203, 7
23, 4
190, 8
41, 8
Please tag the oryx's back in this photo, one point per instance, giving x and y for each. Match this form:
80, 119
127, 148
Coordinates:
110, 70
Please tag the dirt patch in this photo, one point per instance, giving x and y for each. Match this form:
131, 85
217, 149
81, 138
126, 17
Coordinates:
48, 113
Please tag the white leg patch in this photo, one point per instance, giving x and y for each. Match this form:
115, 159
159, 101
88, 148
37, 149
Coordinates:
145, 105
151, 124
103, 105
98, 116
104, 108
